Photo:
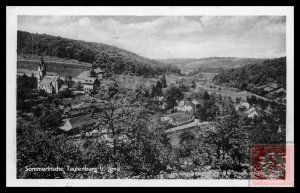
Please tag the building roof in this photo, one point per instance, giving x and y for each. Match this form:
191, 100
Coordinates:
164, 91
46, 80
81, 105
80, 121
248, 112
178, 115
195, 102
98, 70
67, 109
89, 80
84, 75
278, 91
185, 126
268, 88
187, 103
187, 94
273, 85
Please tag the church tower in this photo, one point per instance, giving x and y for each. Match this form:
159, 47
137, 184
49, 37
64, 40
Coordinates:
41, 69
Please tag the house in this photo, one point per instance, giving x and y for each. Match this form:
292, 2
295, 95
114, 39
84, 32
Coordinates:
159, 98
273, 85
81, 106
77, 110
251, 113
50, 84
283, 100
74, 124
98, 72
164, 105
268, 89
185, 126
195, 102
242, 105
178, 118
278, 92
64, 87
90, 84
185, 106
188, 95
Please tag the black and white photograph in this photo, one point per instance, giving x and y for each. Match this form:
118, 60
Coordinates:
145, 96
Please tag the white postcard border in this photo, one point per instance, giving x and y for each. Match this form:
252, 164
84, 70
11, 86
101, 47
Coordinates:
11, 57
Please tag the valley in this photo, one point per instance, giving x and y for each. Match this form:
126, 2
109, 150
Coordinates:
150, 119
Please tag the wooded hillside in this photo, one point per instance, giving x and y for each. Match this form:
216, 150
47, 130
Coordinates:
254, 74
112, 58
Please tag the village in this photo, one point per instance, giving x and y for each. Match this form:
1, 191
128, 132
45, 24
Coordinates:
76, 107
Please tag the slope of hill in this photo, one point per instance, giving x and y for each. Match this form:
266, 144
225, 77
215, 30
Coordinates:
211, 64
109, 57
269, 71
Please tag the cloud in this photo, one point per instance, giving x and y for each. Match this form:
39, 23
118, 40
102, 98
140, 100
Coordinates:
85, 21
173, 36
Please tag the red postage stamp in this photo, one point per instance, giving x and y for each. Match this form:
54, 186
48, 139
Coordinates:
272, 165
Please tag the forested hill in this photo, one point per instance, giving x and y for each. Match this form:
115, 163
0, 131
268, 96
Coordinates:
211, 64
115, 59
254, 74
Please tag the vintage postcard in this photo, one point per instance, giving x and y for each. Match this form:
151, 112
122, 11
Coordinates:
150, 96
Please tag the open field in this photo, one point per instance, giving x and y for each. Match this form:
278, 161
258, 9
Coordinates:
228, 92
33, 57
188, 65
132, 82
63, 69
203, 78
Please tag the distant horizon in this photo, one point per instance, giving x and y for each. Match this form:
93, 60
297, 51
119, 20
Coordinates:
170, 37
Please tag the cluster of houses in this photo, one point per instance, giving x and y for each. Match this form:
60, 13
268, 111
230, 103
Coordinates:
79, 116
181, 116
52, 83
75, 116
274, 92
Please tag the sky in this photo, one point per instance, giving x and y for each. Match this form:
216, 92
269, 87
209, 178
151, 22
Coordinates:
162, 37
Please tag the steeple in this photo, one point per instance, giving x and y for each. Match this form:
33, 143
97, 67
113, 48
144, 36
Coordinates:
41, 68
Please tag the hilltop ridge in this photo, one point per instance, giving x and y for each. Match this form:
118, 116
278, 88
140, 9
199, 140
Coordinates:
114, 59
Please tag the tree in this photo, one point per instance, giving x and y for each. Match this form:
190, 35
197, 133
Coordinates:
163, 81
208, 111
124, 126
25, 91
51, 119
111, 59
38, 148
230, 142
238, 100
92, 72
173, 94
186, 136
79, 85
68, 81
206, 96
193, 84
56, 101
244, 86
158, 85
183, 87
158, 88
227, 108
